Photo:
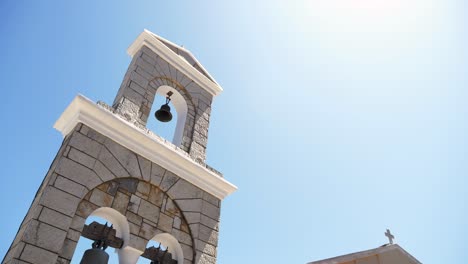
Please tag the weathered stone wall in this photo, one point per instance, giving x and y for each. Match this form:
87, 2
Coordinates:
148, 209
146, 73
92, 171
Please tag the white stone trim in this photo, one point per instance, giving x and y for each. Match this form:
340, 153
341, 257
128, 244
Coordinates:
367, 253
118, 221
146, 38
186, 52
128, 255
83, 110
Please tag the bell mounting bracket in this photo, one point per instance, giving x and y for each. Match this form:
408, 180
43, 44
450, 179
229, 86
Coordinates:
102, 235
168, 97
157, 255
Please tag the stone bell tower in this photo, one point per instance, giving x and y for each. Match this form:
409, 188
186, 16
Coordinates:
110, 165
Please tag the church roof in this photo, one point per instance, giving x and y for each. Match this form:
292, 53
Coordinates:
393, 254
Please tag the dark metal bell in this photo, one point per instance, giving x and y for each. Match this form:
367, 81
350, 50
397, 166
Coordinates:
95, 256
164, 114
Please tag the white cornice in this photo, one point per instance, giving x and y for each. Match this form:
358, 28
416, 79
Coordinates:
147, 39
364, 254
83, 110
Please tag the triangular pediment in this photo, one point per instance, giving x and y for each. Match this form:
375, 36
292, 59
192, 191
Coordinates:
186, 55
179, 57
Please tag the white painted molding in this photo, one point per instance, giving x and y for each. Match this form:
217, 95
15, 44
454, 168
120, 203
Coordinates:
187, 52
118, 220
83, 110
146, 38
364, 254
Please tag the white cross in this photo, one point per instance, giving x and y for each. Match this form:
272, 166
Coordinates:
390, 236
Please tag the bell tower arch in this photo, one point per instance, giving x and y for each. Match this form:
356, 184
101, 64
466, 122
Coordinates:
157, 63
110, 165
181, 103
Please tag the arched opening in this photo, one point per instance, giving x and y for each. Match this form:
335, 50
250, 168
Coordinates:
85, 244
103, 215
175, 128
166, 242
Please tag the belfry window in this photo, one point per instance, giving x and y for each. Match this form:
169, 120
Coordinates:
165, 130
85, 244
172, 130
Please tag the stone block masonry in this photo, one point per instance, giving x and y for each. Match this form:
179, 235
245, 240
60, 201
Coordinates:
100, 174
145, 75
91, 171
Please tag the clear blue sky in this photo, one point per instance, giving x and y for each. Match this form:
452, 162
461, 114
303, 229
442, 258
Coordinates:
338, 119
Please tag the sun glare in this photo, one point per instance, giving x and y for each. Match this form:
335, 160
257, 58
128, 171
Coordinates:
383, 5
366, 15
359, 28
